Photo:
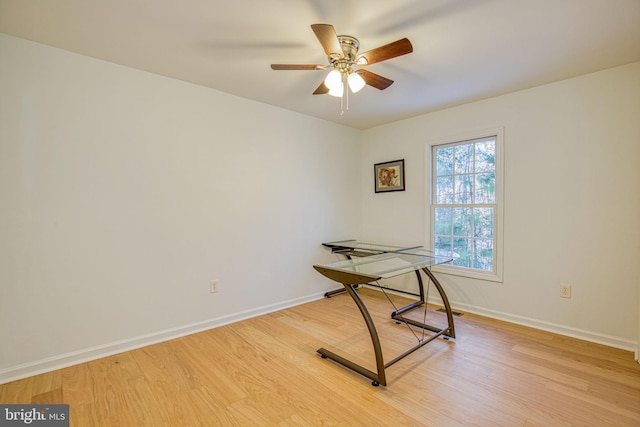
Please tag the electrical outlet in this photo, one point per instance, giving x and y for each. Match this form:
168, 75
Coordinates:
213, 286
565, 290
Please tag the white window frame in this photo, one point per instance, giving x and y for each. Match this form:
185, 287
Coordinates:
497, 274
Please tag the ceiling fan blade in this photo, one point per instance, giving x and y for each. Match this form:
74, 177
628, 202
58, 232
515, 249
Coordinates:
297, 67
328, 38
388, 51
321, 90
375, 80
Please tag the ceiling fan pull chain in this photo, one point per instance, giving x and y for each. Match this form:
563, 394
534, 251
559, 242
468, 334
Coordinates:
342, 102
346, 89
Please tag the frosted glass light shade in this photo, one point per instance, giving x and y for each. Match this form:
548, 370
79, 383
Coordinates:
334, 82
356, 82
333, 79
337, 90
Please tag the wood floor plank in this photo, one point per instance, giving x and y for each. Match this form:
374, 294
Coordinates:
265, 371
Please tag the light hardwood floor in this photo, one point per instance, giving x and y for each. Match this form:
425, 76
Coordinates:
265, 372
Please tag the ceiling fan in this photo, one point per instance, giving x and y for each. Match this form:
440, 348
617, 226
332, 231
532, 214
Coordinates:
342, 53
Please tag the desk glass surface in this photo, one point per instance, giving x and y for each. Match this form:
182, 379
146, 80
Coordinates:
394, 261
364, 246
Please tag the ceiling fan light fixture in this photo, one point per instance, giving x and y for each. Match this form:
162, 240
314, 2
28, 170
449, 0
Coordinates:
334, 82
356, 82
333, 79
337, 90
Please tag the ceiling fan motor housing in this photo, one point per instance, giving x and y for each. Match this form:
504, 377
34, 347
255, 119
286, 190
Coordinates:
350, 46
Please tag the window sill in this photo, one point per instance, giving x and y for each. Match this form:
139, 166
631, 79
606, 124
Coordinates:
471, 274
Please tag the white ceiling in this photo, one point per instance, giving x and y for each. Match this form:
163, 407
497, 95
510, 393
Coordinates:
464, 50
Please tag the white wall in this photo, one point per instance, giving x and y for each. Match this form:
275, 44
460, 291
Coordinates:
124, 193
572, 186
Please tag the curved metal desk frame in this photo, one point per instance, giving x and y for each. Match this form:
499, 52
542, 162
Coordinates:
374, 262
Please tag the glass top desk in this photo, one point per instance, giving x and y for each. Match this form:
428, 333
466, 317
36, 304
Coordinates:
366, 263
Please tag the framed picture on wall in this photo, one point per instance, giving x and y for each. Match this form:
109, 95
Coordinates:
389, 176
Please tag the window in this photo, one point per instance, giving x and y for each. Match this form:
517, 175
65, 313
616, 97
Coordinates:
466, 205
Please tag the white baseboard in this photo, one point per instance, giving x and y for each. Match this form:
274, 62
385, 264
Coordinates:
85, 355
595, 337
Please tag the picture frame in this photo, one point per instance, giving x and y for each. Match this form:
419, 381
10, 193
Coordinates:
389, 176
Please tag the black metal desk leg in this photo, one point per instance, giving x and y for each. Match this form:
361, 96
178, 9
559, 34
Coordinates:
379, 377
400, 311
445, 301
447, 332
329, 294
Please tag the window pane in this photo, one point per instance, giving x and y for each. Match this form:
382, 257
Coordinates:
462, 222
463, 189
444, 161
462, 249
442, 221
483, 254
442, 245
444, 190
485, 156
483, 222
485, 189
463, 157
